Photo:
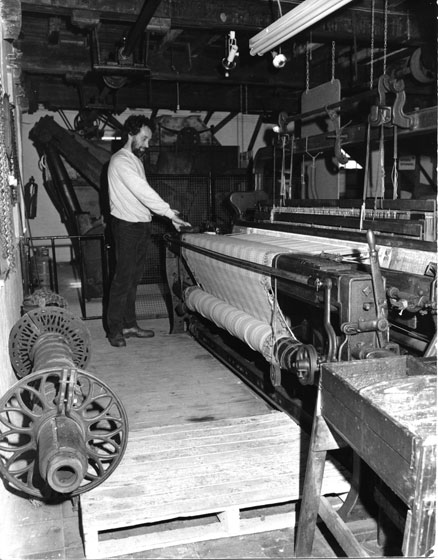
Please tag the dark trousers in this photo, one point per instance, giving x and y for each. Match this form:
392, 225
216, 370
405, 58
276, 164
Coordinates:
131, 242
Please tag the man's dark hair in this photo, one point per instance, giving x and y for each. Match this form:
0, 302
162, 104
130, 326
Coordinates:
134, 123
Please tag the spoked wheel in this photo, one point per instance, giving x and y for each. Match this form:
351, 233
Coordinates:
62, 431
38, 322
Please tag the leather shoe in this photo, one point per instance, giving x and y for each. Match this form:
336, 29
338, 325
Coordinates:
118, 340
137, 332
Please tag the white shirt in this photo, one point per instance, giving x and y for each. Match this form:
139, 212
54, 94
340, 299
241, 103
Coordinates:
130, 195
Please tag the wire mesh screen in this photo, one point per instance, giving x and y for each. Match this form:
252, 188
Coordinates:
190, 194
201, 200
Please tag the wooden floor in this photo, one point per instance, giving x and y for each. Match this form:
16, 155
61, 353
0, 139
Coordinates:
163, 381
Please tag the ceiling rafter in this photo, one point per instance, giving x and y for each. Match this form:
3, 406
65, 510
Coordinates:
185, 42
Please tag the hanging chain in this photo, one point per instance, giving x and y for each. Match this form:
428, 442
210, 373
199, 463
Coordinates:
385, 36
372, 44
307, 66
6, 223
333, 60
14, 165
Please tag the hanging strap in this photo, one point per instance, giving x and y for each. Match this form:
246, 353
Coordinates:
380, 187
394, 174
291, 167
283, 171
366, 178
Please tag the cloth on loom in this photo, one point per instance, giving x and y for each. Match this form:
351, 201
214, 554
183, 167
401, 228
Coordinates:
244, 290
249, 291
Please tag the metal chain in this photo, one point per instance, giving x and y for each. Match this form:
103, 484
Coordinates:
385, 36
6, 223
333, 60
372, 45
307, 67
14, 165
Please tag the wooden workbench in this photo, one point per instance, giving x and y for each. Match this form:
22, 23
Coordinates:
385, 410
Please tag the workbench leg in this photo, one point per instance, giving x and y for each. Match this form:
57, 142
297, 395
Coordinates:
310, 499
420, 530
353, 494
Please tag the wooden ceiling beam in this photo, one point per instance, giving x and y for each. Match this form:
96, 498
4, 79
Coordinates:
242, 15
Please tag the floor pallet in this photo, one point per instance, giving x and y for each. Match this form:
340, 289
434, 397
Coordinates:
217, 475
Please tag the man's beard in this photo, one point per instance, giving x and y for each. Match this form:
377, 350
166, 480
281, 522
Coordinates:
139, 152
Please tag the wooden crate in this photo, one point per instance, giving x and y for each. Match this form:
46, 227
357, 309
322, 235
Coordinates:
385, 409
173, 479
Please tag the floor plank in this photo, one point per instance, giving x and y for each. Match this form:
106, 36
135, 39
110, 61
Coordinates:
169, 379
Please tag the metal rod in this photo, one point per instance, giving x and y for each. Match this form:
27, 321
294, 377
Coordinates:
253, 267
104, 257
54, 266
147, 11
323, 110
82, 276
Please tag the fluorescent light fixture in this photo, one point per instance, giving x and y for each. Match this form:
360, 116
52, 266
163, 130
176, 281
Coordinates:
300, 18
109, 138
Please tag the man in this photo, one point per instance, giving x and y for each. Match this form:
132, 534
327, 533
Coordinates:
132, 202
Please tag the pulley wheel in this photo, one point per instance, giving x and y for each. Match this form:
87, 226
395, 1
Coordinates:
45, 395
115, 82
306, 364
33, 324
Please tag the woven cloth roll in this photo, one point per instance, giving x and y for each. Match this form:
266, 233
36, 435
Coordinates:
256, 334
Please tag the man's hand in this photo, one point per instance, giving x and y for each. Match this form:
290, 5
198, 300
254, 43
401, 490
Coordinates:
178, 223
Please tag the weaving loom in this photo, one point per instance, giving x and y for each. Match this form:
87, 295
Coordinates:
301, 300
244, 301
282, 302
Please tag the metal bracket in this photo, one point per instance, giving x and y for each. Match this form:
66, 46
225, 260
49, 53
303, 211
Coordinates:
66, 394
340, 156
275, 375
391, 115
